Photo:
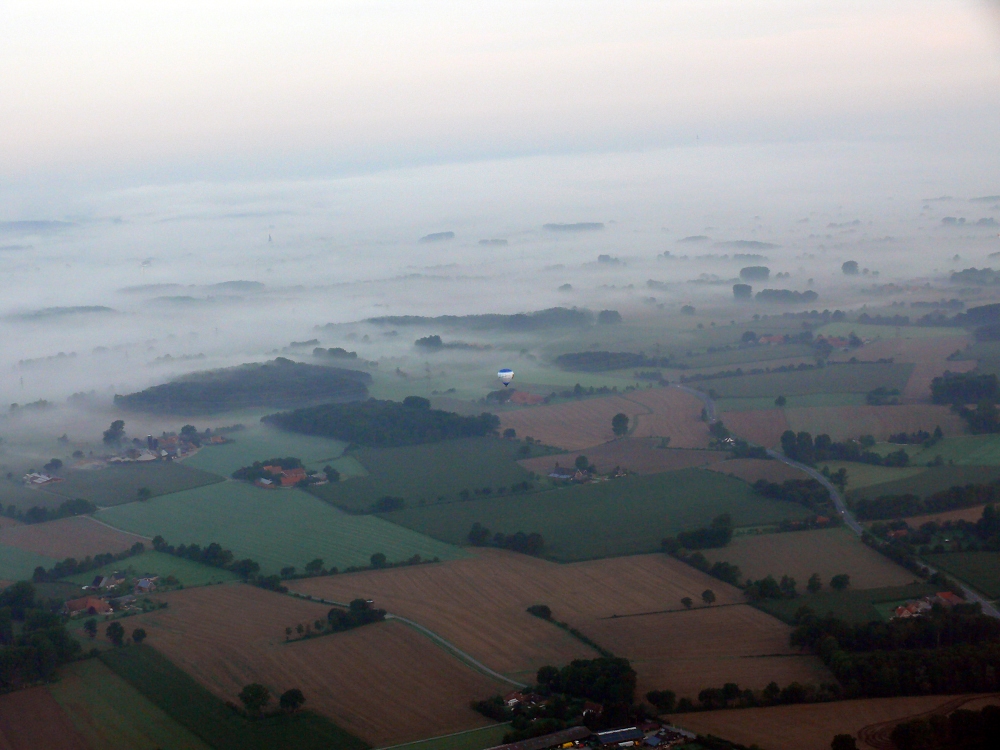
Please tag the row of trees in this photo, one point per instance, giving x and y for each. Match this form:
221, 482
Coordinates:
528, 543
717, 534
897, 506
36, 514
71, 566
802, 448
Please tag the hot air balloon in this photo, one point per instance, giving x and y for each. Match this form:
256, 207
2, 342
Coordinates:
506, 376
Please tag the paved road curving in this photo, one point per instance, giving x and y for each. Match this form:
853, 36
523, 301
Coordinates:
849, 520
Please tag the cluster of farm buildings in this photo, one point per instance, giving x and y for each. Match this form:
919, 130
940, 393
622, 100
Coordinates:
647, 735
104, 596
921, 607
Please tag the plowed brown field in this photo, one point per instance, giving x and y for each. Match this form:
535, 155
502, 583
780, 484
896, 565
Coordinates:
658, 412
930, 355
799, 554
813, 726
31, 719
8, 522
689, 650
841, 422
78, 537
385, 683
638, 455
752, 469
763, 426
479, 605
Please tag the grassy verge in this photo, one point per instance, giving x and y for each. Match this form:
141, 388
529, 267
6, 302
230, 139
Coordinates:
198, 710
474, 739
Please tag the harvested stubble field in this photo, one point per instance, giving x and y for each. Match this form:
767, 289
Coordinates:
881, 421
113, 715
274, 527
31, 719
763, 427
385, 683
623, 516
657, 412
928, 355
687, 651
637, 455
972, 515
479, 605
813, 726
930, 480
799, 554
119, 483
79, 537
752, 469
841, 378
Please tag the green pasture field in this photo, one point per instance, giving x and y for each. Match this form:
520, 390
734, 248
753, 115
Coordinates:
274, 527
18, 564
620, 517
260, 442
206, 716
422, 474
975, 450
748, 355
474, 739
792, 402
859, 378
852, 605
16, 494
886, 332
119, 483
861, 475
153, 563
987, 354
112, 714
929, 481
979, 569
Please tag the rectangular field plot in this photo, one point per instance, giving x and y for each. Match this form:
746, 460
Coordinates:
973, 450
792, 402
112, 714
427, 473
853, 605
31, 719
259, 442
880, 421
119, 483
637, 455
861, 475
927, 482
274, 527
618, 517
153, 563
763, 427
858, 378
18, 564
79, 537
386, 683
752, 469
799, 554
978, 569
14, 493
746, 355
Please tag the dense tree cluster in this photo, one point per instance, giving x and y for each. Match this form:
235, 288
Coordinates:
334, 352
964, 388
71, 566
384, 424
280, 383
214, 555
883, 396
807, 492
256, 470
802, 448
920, 437
40, 644
36, 514
359, 613
717, 534
897, 506
606, 361
526, 543
960, 730
553, 317
786, 296
722, 570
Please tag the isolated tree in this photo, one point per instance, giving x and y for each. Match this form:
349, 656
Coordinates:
378, 560
581, 462
115, 633
138, 635
844, 741
143, 493
288, 633
814, 584
780, 401
687, 601
291, 700
254, 698
332, 475
619, 424
850, 268
840, 582
510, 433
663, 700
314, 566
547, 675
708, 596
114, 434
299, 629
53, 465
90, 627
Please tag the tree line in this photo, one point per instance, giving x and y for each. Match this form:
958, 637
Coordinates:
527, 543
40, 644
71, 566
896, 506
961, 730
36, 514
606, 361
802, 448
544, 612
384, 424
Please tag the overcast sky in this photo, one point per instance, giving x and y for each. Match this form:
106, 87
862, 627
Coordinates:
133, 93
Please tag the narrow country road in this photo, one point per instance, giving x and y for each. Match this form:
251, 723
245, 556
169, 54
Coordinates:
849, 520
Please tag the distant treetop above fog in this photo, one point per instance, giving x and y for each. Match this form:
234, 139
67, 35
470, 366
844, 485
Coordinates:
239, 286
60, 312
749, 244
583, 226
438, 237
695, 238
553, 317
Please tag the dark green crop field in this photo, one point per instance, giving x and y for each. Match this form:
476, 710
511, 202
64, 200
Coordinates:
430, 473
845, 378
931, 480
118, 483
620, 517
979, 569
852, 605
